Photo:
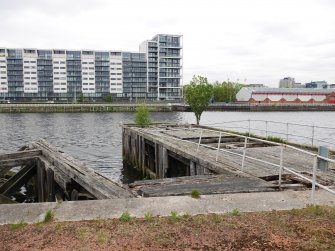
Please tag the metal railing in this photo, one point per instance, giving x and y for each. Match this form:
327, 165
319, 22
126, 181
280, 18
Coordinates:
309, 136
280, 166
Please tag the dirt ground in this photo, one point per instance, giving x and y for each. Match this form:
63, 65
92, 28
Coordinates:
312, 228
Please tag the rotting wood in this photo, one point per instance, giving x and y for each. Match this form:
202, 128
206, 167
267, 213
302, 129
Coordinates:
51, 167
96, 184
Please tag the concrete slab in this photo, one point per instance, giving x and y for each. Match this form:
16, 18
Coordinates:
162, 206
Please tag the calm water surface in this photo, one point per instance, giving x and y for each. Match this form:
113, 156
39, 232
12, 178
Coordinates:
95, 138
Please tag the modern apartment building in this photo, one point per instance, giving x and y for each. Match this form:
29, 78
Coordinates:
155, 72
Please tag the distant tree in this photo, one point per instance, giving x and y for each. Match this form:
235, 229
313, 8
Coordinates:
197, 95
142, 116
226, 91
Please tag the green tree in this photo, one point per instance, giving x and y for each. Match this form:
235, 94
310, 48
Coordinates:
197, 95
226, 91
142, 116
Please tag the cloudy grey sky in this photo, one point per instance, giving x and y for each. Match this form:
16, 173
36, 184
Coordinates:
257, 40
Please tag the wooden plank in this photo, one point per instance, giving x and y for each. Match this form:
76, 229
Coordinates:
6, 200
222, 184
20, 154
96, 184
18, 180
6, 165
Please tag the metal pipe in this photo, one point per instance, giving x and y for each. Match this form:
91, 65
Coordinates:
313, 135
244, 152
266, 129
281, 165
219, 143
200, 139
249, 128
314, 179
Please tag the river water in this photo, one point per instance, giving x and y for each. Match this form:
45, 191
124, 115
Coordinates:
95, 138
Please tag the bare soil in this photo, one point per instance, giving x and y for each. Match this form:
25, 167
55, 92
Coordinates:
312, 228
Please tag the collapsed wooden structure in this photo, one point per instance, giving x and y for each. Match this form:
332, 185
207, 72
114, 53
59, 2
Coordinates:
166, 151
54, 176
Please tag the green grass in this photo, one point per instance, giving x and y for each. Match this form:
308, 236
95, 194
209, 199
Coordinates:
18, 225
102, 237
234, 212
125, 217
276, 139
195, 194
148, 216
216, 219
48, 217
173, 216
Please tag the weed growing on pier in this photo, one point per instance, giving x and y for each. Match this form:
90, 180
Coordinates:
142, 116
148, 216
18, 225
49, 215
195, 194
234, 212
125, 217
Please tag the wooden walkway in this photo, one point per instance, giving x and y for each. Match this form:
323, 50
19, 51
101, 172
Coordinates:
183, 140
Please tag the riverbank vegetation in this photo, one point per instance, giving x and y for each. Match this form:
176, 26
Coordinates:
312, 228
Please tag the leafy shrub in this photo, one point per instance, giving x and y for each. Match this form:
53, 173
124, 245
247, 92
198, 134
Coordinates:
142, 116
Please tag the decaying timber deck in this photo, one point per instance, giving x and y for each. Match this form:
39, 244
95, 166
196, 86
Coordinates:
55, 175
181, 142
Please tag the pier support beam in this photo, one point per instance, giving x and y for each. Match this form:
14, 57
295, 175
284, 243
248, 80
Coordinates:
165, 161
50, 185
192, 168
40, 183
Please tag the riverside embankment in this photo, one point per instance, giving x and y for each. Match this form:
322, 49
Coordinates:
156, 107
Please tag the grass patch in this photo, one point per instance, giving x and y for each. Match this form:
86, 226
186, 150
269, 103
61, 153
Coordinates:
125, 217
18, 225
216, 219
276, 139
148, 216
173, 216
234, 212
48, 217
195, 194
103, 238
83, 233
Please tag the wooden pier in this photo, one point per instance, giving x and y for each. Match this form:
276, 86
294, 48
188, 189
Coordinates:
51, 175
168, 151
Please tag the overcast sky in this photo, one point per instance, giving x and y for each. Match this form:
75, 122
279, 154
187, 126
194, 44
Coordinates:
259, 41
